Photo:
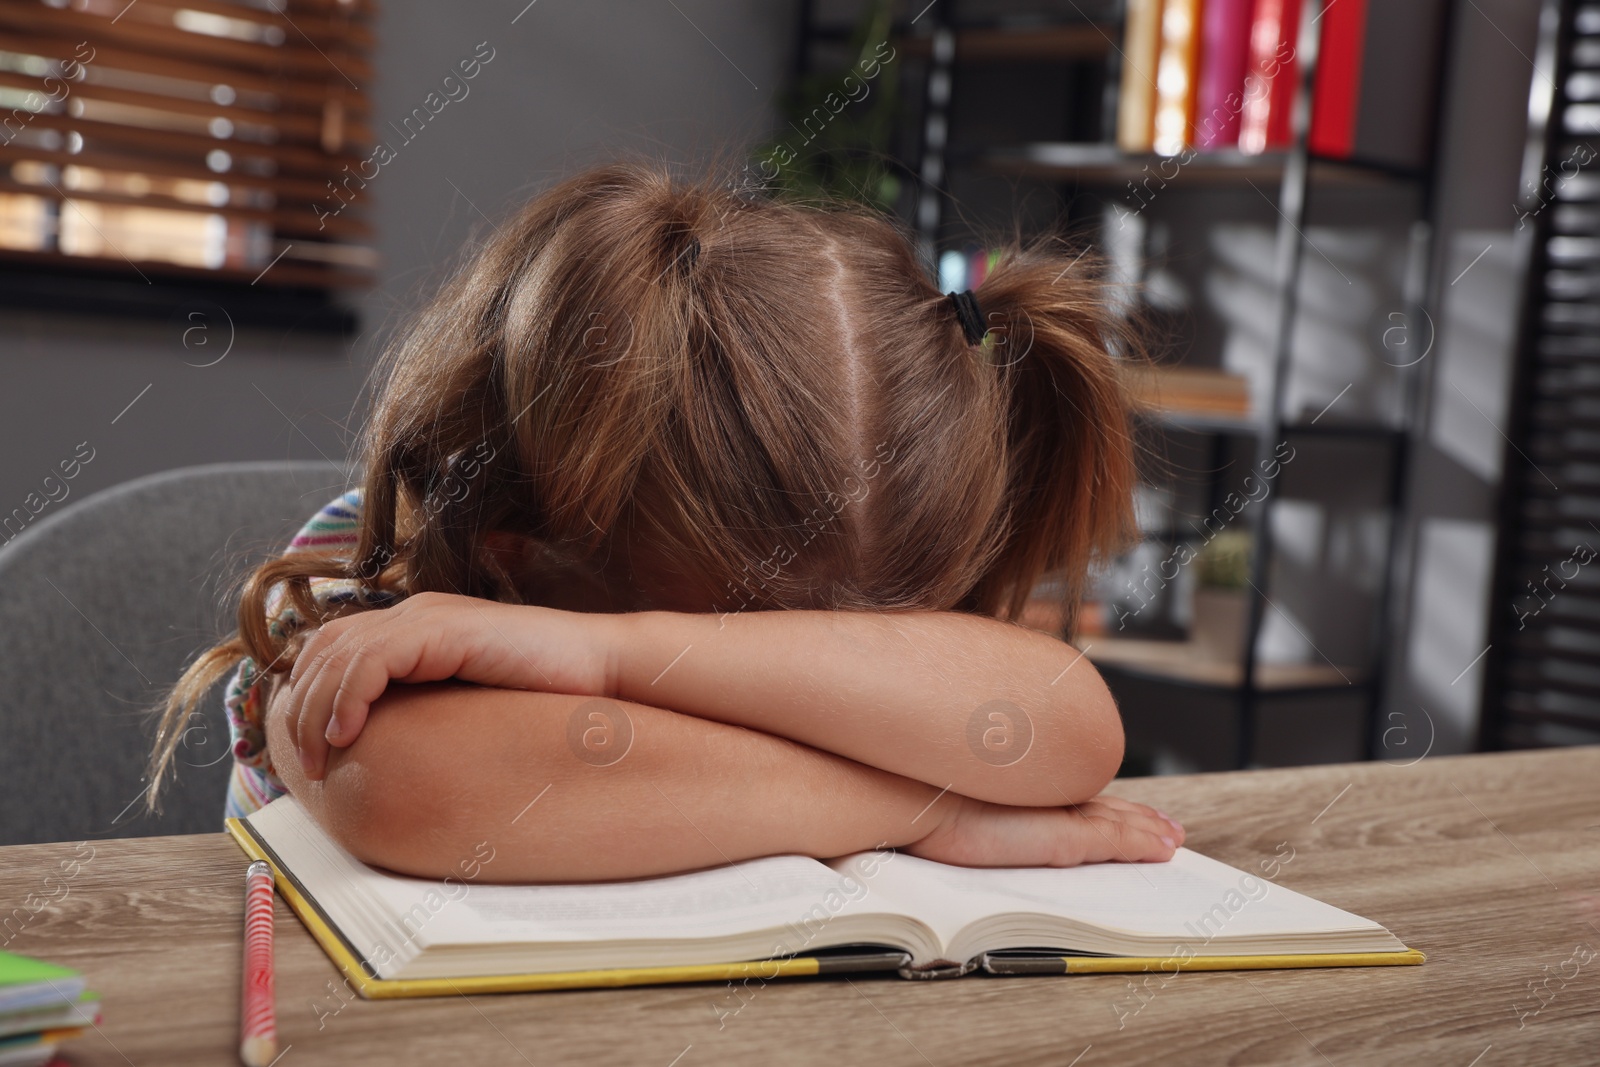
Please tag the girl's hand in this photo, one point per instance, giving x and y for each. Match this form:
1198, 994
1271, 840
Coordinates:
349, 662
975, 833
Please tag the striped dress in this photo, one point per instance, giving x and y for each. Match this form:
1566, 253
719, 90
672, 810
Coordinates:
254, 783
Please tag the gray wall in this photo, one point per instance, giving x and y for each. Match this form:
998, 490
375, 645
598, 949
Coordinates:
568, 84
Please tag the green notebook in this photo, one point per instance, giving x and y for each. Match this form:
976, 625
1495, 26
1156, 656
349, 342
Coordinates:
27, 984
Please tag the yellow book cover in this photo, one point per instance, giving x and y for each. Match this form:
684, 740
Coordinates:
1177, 76
1141, 45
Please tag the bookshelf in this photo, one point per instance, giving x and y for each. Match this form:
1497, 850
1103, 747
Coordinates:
1106, 164
960, 131
1061, 41
1180, 662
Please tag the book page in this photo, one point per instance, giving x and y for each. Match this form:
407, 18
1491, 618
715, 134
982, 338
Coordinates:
795, 896
770, 893
1190, 898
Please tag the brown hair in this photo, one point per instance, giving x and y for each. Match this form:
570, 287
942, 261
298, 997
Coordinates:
769, 404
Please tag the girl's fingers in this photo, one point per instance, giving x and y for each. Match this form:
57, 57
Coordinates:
345, 666
321, 668
1112, 838
993, 835
314, 696
314, 651
1139, 818
1173, 829
1119, 803
355, 670
309, 667
365, 676
328, 637
349, 718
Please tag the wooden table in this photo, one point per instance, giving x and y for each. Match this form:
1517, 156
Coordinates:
1490, 864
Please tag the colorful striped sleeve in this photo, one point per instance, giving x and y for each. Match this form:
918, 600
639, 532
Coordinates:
253, 783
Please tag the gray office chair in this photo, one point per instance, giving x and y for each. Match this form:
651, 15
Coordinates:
102, 605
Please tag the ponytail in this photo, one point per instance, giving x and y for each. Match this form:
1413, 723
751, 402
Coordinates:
1062, 353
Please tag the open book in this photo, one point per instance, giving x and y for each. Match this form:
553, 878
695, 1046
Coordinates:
786, 915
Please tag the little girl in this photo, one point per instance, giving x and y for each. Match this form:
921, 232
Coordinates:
690, 531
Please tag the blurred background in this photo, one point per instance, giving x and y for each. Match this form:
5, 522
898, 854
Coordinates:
1363, 235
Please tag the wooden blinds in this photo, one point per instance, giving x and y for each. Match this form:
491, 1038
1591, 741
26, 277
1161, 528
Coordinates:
1542, 685
185, 138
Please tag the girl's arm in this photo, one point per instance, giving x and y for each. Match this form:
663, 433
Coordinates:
960, 702
443, 768
964, 702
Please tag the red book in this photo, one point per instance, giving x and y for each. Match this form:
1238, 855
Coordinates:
1376, 81
977, 267
1224, 53
1271, 75
1337, 92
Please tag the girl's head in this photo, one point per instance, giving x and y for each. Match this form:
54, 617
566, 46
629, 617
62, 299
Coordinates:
711, 401
685, 396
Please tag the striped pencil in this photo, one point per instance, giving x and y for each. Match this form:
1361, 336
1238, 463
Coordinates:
258, 1032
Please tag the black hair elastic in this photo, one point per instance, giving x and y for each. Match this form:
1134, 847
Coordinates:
970, 315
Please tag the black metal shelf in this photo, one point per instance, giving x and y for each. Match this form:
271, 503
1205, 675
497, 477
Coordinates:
1232, 426
1358, 688
1106, 164
1175, 663
1019, 32
1021, 43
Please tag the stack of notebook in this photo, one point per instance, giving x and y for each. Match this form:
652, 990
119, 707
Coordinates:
41, 1005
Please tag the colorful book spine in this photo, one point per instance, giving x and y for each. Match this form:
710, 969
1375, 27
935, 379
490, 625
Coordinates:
979, 263
1224, 54
1271, 76
1218, 73
1141, 47
1177, 75
1338, 80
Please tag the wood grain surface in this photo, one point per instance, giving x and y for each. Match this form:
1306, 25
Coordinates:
1488, 863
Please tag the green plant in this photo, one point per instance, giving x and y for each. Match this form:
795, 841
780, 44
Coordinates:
835, 143
1225, 561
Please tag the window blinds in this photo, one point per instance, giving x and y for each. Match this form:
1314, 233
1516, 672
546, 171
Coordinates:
1542, 686
185, 138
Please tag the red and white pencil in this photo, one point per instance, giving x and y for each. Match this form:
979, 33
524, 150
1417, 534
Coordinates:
258, 1031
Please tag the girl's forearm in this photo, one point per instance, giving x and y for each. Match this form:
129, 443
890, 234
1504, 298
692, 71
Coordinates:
572, 788
964, 702
987, 709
